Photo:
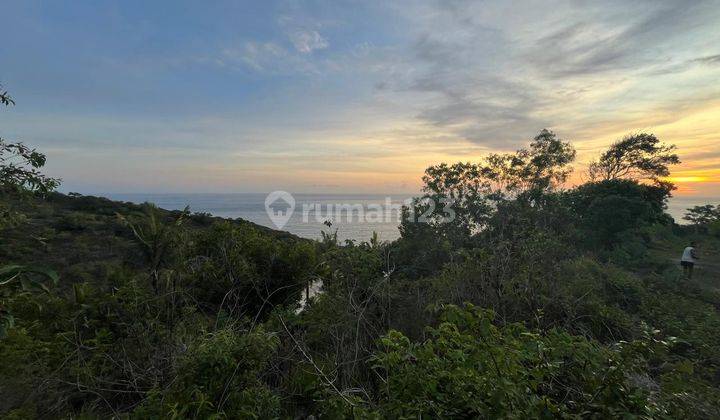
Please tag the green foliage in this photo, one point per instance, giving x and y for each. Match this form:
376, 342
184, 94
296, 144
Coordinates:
246, 273
9, 217
471, 190
17, 280
19, 165
572, 305
714, 228
596, 300
607, 209
19, 169
19, 174
470, 367
219, 376
157, 238
703, 215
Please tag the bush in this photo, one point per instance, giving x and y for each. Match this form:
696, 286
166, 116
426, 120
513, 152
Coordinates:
220, 375
470, 368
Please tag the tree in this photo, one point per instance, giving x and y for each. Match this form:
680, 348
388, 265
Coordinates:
636, 157
468, 193
157, 237
462, 200
545, 165
19, 165
606, 209
703, 215
5, 99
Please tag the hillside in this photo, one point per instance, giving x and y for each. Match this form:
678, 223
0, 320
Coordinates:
80, 236
85, 240
533, 301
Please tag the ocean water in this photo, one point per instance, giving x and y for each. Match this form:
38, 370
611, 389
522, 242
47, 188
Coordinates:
380, 213
677, 206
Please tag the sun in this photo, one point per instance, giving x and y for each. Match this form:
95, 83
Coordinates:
687, 179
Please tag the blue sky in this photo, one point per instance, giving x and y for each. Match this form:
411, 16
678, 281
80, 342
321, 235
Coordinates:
129, 96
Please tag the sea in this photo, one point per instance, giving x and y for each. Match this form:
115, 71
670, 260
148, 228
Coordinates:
355, 217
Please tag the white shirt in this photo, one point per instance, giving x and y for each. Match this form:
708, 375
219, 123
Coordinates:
687, 255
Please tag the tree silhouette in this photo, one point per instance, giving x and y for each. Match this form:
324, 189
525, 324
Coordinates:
702, 215
637, 157
5, 99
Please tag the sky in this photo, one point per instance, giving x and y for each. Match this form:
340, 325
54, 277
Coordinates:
350, 96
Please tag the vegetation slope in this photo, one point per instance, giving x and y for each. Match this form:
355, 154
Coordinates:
534, 300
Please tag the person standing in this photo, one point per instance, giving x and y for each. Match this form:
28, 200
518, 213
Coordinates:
688, 259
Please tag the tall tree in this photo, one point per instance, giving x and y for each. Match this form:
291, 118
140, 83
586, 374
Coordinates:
636, 157
545, 165
460, 198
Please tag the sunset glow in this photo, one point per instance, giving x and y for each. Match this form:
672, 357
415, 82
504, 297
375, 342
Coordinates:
327, 99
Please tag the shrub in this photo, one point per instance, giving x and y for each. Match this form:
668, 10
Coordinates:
221, 375
470, 367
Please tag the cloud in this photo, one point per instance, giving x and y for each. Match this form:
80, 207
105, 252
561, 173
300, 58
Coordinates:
460, 74
404, 83
268, 58
614, 41
494, 75
710, 59
256, 55
484, 109
308, 41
